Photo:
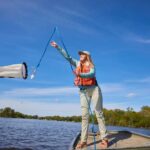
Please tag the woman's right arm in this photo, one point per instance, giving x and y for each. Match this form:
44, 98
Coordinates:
73, 61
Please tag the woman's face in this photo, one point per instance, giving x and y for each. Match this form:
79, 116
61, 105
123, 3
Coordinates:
83, 57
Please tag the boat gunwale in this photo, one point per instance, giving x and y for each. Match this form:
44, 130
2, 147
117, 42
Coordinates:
76, 139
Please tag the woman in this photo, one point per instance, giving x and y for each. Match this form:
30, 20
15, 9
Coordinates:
89, 91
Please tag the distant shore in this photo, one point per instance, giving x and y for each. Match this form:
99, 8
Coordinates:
117, 117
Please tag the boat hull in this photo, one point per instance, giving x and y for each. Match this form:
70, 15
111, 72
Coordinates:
118, 140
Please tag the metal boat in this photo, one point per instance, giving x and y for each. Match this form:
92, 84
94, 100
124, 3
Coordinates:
118, 140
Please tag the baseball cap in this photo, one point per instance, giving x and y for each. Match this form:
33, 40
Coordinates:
84, 52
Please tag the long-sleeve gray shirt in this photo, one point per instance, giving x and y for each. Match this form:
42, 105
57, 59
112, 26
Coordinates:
75, 63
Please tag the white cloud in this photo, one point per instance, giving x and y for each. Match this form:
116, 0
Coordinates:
57, 91
144, 80
60, 14
133, 37
112, 87
73, 13
130, 95
42, 108
26, 92
123, 105
142, 40
116, 105
34, 100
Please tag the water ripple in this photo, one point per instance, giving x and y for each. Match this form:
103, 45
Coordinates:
29, 134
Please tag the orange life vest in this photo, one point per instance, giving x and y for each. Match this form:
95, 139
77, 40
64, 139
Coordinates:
84, 81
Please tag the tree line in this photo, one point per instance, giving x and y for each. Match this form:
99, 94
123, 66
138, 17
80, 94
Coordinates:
116, 117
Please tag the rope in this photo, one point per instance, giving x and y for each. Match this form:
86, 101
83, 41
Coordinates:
46, 48
38, 64
61, 39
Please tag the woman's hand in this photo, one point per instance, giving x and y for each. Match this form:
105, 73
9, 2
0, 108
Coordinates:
54, 44
76, 72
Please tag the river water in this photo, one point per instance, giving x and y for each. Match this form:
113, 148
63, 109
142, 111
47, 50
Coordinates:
30, 134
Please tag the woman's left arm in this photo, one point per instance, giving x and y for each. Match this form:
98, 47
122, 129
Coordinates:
64, 53
90, 74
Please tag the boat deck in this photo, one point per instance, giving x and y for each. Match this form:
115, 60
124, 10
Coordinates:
118, 140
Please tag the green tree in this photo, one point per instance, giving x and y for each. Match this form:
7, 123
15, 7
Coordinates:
7, 112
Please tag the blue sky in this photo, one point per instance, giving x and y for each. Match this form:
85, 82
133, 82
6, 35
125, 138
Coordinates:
115, 32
